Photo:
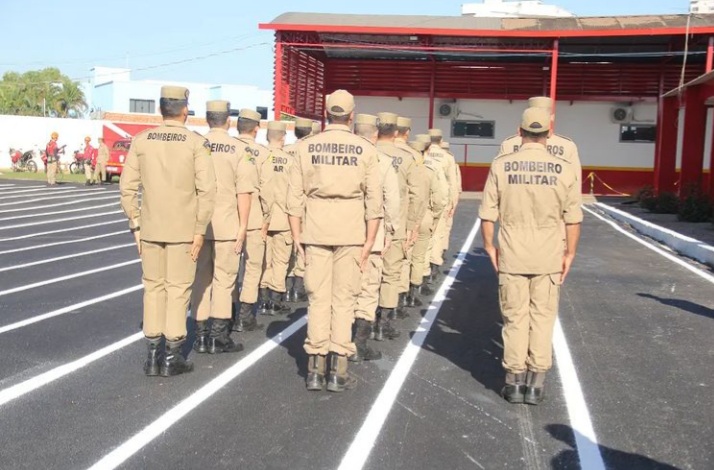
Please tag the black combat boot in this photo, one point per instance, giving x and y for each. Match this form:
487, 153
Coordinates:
401, 310
174, 363
290, 293
220, 340
425, 289
384, 329
413, 299
363, 328
535, 391
315, 381
246, 321
276, 303
151, 366
434, 275
300, 295
339, 379
264, 302
515, 388
200, 345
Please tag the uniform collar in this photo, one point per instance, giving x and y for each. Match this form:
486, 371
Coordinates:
532, 145
274, 146
219, 130
246, 137
399, 140
172, 123
338, 127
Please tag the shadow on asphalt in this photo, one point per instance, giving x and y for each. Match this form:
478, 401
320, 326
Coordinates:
682, 304
294, 344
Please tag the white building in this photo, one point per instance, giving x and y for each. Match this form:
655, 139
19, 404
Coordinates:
515, 9
701, 6
113, 90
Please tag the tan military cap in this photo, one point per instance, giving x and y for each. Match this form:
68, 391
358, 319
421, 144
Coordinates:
218, 106
535, 120
277, 126
340, 103
417, 145
387, 118
423, 138
366, 119
435, 133
540, 102
316, 127
444, 145
303, 123
246, 113
174, 92
404, 122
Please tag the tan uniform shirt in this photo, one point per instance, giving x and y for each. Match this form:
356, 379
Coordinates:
457, 175
389, 179
439, 192
334, 184
261, 203
558, 146
103, 154
235, 174
448, 165
173, 167
412, 191
280, 161
531, 193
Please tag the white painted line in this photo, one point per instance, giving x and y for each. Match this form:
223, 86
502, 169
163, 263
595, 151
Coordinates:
60, 258
10, 187
103, 197
68, 309
67, 277
66, 219
585, 439
66, 242
361, 447
6, 185
171, 417
51, 196
51, 232
43, 214
669, 256
38, 381
24, 191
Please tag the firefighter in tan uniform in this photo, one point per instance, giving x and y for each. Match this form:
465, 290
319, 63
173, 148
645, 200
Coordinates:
258, 220
173, 168
335, 186
412, 197
295, 283
368, 299
279, 245
218, 261
100, 169
531, 193
557, 145
459, 189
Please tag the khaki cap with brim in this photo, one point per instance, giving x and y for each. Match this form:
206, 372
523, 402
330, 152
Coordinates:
366, 119
426, 138
174, 92
218, 106
249, 114
387, 118
277, 126
536, 120
540, 102
435, 133
340, 103
404, 122
444, 145
417, 145
303, 123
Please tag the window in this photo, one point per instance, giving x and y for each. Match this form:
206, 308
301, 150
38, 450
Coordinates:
473, 129
142, 106
638, 133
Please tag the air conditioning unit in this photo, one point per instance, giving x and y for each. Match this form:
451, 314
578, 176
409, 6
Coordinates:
448, 110
621, 114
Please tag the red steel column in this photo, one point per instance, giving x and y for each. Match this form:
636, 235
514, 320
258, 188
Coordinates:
278, 77
554, 73
665, 165
432, 84
710, 54
695, 120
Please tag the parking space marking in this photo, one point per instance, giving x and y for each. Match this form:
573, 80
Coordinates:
65, 242
66, 219
45, 188
53, 198
62, 230
67, 211
92, 198
49, 196
61, 258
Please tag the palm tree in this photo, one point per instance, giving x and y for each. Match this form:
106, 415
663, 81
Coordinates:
68, 99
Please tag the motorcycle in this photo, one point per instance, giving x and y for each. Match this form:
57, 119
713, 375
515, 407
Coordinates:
77, 165
23, 161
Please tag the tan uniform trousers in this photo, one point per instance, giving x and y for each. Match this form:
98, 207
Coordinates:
216, 275
88, 171
100, 170
332, 283
437, 241
529, 305
297, 265
447, 233
406, 267
392, 274
168, 274
368, 298
278, 250
419, 261
254, 257
52, 173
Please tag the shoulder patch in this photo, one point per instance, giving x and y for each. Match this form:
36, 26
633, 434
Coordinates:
207, 145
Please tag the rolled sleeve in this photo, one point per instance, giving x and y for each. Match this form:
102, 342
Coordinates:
246, 177
296, 190
489, 205
572, 210
205, 188
373, 199
129, 184
392, 202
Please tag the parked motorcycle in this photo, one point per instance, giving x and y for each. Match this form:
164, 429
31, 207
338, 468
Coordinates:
23, 161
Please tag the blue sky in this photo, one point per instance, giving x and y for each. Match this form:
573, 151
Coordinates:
150, 36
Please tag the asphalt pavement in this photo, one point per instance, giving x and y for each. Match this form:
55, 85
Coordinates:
631, 389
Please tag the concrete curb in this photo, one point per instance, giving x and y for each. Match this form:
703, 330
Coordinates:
684, 245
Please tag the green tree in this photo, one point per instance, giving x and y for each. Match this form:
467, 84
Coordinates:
41, 92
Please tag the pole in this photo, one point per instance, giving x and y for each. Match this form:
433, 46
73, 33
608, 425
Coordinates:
710, 54
432, 85
278, 78
554, 74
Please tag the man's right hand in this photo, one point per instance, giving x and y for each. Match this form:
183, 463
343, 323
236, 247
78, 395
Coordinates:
137, 239
492, 252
